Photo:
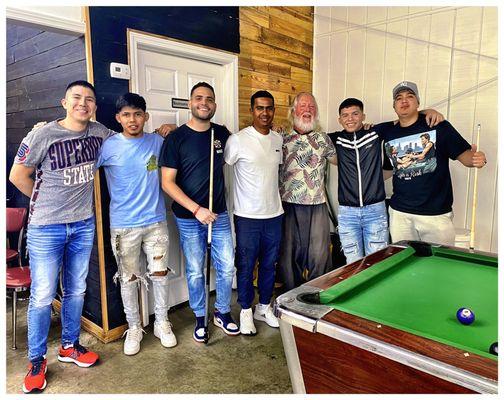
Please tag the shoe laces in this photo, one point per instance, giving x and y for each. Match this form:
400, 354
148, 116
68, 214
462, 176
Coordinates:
79, 348
36, 367
165, 326
133, 333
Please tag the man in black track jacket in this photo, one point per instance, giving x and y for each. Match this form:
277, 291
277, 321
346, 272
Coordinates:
362, 215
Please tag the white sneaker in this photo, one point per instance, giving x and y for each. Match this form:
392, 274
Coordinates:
263, 312
247, 326
134, 336
163, 331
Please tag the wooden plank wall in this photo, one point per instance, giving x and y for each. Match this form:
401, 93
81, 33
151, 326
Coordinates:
276, 53
40, 64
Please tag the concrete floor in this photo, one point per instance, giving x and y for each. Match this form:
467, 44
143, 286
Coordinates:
239, 364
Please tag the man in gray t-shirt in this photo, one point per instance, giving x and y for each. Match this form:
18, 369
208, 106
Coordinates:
62, 155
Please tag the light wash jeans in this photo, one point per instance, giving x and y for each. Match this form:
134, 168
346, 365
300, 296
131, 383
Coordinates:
127, 245
193, 240
52, 248
362, 230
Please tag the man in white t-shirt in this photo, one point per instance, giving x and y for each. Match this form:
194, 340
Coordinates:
256, 154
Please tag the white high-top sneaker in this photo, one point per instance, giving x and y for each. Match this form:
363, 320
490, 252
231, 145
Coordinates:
247, 326
263, 312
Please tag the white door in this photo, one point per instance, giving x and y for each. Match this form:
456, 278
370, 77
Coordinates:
165, 81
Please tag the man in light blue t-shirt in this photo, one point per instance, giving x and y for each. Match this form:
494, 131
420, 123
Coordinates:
137, 218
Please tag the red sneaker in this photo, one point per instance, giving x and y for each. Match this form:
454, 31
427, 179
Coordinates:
79, 355
35, 378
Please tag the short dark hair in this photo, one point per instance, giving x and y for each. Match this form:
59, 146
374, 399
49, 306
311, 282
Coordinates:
132, 100
261, 93
202, 84
81, 83
425, 135
349, 103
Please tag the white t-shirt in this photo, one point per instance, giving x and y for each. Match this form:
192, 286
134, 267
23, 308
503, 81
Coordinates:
255, 159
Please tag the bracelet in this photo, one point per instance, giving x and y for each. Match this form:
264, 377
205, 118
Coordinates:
196, 210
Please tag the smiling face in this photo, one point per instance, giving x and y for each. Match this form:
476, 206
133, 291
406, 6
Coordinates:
405, 103
79, 103
263, 113
305, 113
132, 121
202, 104
351, 118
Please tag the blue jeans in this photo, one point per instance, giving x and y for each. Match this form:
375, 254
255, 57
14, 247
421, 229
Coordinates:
52, 248
256, 239
362, 230
193, 239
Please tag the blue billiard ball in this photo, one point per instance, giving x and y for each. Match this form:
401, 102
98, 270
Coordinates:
465, 316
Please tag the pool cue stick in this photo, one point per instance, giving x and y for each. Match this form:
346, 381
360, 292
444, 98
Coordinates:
475, 194
209, 237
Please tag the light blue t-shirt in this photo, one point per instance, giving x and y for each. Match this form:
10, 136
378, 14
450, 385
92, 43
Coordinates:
131, 168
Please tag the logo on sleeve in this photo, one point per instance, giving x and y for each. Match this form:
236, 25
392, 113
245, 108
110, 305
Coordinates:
22, 153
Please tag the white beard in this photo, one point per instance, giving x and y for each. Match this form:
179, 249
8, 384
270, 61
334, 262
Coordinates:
304, 126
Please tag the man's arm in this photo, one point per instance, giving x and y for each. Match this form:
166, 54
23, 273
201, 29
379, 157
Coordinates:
333, 160
20, 176
473, 158
387, 174
170, 186
421, 156
432, 117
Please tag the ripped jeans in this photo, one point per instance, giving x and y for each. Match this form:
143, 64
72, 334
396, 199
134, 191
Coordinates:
362, 230
127, 244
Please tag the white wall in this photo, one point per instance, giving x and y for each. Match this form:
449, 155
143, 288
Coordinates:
450, 52
66, 18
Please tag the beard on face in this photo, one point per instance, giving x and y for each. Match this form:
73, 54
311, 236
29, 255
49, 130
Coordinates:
302, 126
201, 116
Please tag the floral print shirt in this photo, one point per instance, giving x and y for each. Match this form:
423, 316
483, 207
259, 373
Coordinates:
302, 172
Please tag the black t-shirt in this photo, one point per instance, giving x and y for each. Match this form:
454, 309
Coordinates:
422, 186
188, 151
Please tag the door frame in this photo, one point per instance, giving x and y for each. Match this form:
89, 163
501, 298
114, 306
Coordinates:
146, 41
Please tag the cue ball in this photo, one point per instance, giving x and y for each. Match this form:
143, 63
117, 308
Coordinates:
465, 316
494, 349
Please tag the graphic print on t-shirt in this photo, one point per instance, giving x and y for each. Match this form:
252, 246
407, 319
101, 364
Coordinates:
413, 155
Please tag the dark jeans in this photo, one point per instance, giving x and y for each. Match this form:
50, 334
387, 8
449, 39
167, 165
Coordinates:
256, 239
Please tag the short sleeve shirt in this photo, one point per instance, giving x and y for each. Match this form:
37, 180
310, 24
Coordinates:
422, 186
64, 163
302, 179
255, 159
188, 151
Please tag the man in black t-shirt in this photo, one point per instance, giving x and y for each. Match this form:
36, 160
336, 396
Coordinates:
185, 171
421, 205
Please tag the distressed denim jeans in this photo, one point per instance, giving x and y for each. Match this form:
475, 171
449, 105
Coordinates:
362, 230
193, 240
55, 247
127, 246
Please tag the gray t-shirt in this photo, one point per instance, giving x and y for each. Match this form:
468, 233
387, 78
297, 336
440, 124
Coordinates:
64, 163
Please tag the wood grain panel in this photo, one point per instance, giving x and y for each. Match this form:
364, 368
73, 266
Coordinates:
332, 366
276, 52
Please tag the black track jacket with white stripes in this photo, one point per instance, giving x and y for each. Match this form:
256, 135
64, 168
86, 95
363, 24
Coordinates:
360, 176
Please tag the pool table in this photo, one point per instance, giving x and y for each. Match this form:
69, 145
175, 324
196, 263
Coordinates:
387, 324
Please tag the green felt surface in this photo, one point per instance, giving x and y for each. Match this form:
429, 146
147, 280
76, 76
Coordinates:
421, 295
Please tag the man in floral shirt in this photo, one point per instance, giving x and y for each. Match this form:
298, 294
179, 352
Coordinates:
304, 254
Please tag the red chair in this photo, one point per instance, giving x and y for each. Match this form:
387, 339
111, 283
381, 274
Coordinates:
15, 221
18, 280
